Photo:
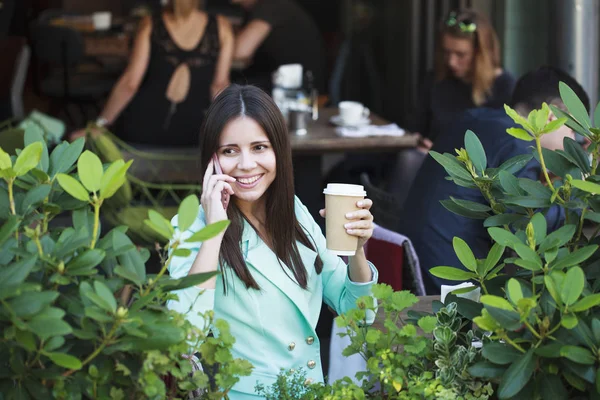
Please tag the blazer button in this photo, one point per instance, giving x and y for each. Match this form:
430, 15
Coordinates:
311, 364
291, 346
310, 340
308, 381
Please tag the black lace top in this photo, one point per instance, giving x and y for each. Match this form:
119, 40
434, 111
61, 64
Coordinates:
169, 107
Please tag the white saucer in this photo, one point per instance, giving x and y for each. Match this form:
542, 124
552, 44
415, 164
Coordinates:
337, 120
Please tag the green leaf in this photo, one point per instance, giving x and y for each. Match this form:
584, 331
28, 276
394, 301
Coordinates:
549, 350
64, 156
64, 360
503, 237
574, 105
517, 375
528, 264
554, 125
464, 254
33, 197
586, 303
539, 227
527, 254
29, 304
89, 168
486, 370
518, 118
128, 274
187, 281
558, 164
586, 186
501, 219
106, 294
475, 151
8, 229
513, 288
558, 238
160, 222
520, 134
46, 328
573, 286
516, 163
182, 253
576, 257
453, 167
98, 315
569, 321
28, 159
577, 154
188, 211
528, 202
577, 354
32, 136
497, 302
5, 161
452, 274
535, 188
500, 353
455, 208
553, 289
373, 336
88, 259
471, 205
427, 323
113, 178
73, 187
492, 258
510, 184
16, 273
208, 232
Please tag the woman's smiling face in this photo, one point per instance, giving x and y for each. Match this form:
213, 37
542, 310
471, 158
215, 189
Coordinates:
246, 154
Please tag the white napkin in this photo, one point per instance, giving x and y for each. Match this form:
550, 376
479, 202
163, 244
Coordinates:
370, 130
472, 295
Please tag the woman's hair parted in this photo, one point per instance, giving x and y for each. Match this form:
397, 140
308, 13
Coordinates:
282, 226
476, 27
182, 8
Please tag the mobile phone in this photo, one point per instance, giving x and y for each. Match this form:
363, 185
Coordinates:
218, 170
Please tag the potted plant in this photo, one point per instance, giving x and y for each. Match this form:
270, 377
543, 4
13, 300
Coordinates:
545, 323
79, 315
422, 357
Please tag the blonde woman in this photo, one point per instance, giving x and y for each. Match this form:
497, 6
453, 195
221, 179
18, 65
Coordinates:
467, 74
180, 60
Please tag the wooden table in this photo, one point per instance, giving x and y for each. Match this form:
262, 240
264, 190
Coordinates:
424, 305
322, 138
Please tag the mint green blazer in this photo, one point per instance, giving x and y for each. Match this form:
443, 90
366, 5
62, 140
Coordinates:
274, 327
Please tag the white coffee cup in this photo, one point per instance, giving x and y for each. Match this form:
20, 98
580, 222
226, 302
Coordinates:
340, 199
352, 112
102, 20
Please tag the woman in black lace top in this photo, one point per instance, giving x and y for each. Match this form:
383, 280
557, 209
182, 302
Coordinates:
181, 58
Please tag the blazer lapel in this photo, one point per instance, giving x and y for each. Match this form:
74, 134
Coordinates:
263, 261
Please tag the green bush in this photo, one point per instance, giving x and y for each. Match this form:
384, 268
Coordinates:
424, 357
79, 315
545, 320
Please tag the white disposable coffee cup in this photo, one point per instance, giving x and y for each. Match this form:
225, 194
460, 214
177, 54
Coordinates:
102, 20
340, 199
352, 112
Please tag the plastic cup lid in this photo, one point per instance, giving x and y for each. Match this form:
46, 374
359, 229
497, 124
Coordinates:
345, 189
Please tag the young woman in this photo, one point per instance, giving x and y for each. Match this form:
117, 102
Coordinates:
180, 60
467, 74
275, 268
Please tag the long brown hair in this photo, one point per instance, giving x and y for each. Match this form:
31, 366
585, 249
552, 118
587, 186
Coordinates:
182, 8
486, 48
282, 226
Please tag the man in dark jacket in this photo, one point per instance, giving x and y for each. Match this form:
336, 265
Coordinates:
428, 224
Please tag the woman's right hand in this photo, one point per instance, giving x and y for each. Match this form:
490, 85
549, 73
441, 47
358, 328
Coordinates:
212, 186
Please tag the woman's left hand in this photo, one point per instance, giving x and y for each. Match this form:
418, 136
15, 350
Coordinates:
360, 222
